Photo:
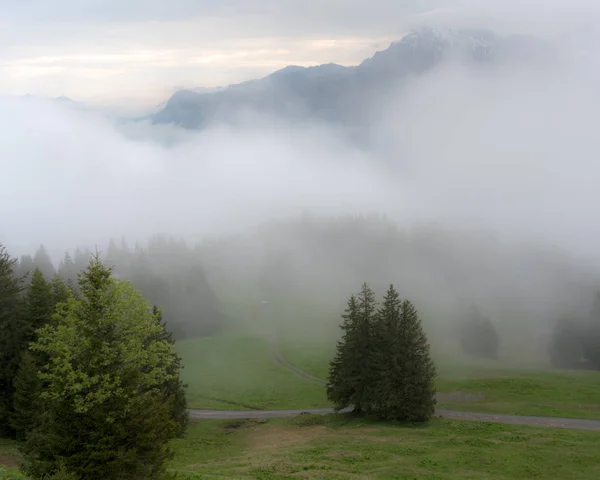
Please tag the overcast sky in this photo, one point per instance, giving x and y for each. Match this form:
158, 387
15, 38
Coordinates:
137, 52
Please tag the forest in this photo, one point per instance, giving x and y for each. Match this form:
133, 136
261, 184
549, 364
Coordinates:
90, 381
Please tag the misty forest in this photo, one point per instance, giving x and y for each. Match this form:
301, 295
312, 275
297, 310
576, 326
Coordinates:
379, 270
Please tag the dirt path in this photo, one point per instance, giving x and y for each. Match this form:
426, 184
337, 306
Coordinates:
277, 357
570, 423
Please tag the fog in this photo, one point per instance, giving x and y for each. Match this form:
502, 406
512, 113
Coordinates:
510, 151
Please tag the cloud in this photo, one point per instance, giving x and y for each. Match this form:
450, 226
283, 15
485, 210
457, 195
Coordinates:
511, 149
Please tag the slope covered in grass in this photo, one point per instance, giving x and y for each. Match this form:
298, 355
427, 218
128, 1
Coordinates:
236, 372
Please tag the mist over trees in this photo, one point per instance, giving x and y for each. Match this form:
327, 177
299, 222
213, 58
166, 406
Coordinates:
478, 336
315, 260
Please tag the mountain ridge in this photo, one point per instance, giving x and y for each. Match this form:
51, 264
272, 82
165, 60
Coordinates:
346, 94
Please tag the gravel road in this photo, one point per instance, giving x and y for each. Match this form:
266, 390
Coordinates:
570, 423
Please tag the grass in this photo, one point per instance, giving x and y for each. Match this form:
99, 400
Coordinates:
341, 447
9, 457
235, 372
510, 390
570, 394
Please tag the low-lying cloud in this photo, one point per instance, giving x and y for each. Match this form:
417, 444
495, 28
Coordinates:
511, 149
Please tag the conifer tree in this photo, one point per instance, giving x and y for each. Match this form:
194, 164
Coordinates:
339, 389
60, 290
387, 363
107, 409
363, 351
68, 270
10, 337
350, 371
39, 307
42, 261
415, 387
24, 269
174, 386
26, 400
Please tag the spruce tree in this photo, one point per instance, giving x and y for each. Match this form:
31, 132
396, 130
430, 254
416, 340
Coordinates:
42, 261
10, 335
39, 306
26, 400
387, 364
67, 270
60, 290
363, 352
24, 269
350, 371
107, 410
174, 386
339, 389
415, 387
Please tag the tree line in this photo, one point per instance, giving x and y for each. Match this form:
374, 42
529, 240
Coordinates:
89, 380
168, 272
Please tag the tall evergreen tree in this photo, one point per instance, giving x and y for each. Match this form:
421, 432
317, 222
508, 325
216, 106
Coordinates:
363, 351
42, 261
174, 385
24, 269
68, 270
60, 290
107, 411
10, 335
26, 402
350, 370
416, 386
387, 364
339, 389
39, 307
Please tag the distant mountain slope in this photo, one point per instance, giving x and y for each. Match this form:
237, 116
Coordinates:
347, 95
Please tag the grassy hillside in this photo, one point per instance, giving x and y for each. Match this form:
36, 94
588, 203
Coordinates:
237, 372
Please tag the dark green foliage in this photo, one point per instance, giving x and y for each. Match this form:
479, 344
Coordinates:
60, 290
118, 425
10, 335
26, 400
382, 364
387, 368
349, 377
39, 307
414, 396
478, 336
362, 352
339, 389
174, 386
